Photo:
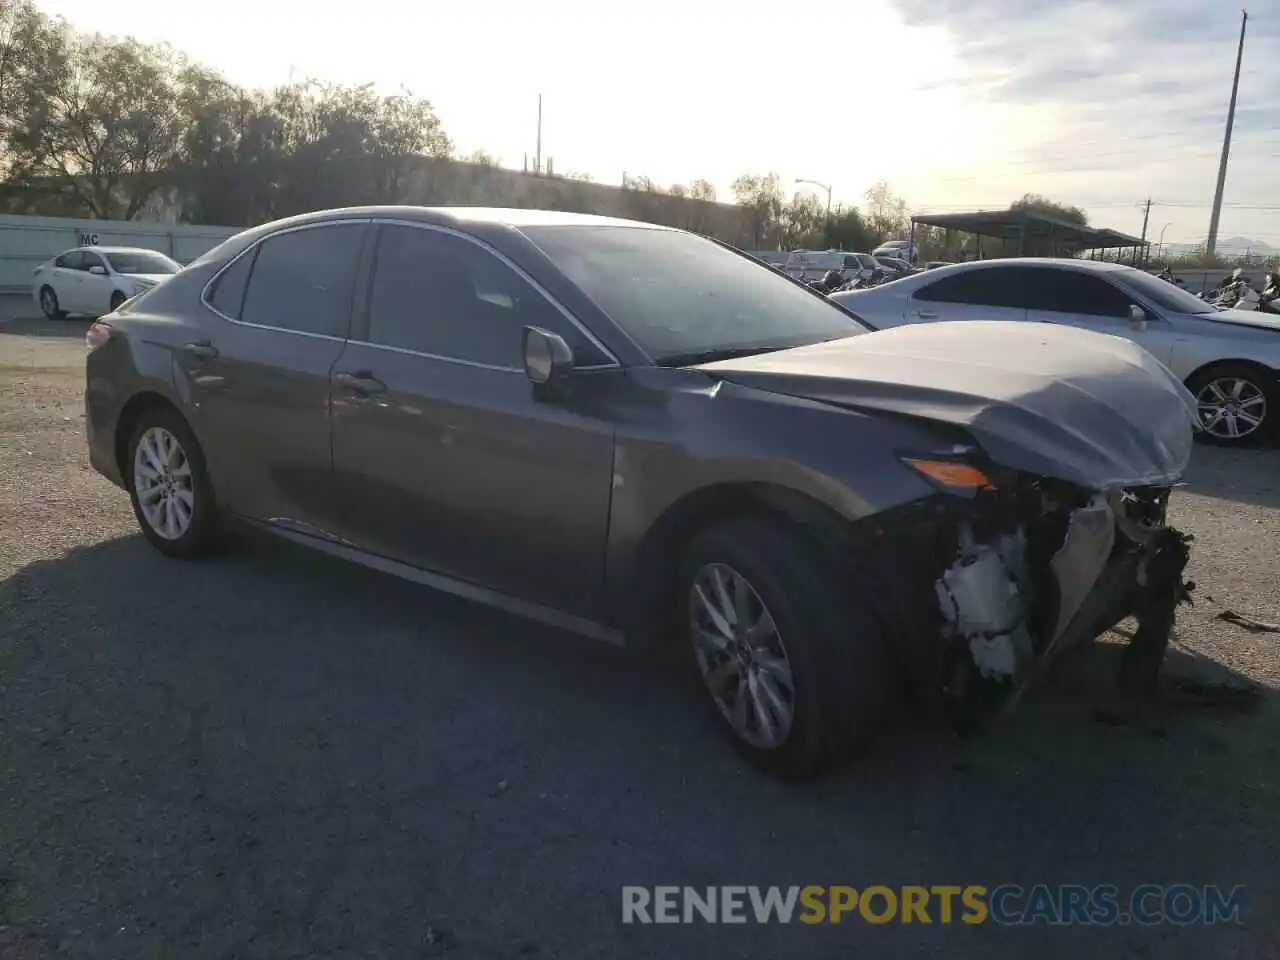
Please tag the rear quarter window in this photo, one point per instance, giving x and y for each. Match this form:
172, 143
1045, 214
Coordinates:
227, 293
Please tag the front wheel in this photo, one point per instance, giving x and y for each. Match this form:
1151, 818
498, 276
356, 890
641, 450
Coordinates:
790, 660
1235, 402
117, 298
169, 486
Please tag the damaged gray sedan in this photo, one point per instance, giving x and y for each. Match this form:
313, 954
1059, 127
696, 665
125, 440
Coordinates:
645, 436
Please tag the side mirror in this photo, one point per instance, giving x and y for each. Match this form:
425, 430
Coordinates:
1137, 317
98, 271
547, 358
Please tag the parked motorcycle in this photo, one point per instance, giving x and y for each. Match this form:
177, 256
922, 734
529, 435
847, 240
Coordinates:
1269, 299
1234, 290
1247, 298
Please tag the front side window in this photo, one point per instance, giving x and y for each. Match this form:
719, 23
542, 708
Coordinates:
442, 295
142, 261
683, 298
1165, 295
70, 261
1074, 291
302, 280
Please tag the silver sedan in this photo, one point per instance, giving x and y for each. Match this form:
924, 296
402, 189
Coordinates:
1228, 358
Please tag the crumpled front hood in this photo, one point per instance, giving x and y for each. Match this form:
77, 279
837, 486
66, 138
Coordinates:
151, 278
1084, 407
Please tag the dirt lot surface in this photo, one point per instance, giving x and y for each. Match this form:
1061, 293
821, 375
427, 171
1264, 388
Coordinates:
277, 755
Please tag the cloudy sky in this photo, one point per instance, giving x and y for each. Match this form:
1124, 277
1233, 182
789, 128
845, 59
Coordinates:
958, 103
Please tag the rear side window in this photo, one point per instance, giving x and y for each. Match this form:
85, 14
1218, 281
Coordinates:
302, 280
984, 288
227, 295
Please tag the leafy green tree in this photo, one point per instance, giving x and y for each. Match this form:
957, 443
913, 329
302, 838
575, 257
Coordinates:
1042, 204
850, 231
102, 122
761, 194
887, 215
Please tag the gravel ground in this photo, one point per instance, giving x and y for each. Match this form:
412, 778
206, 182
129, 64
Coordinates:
277, 755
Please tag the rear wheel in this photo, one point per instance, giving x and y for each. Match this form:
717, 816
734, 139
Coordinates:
49, 304
791, 662
1236, 401
169, 486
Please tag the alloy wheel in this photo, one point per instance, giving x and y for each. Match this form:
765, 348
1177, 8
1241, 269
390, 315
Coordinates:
741, 656
48, 303
162, 479
1231, 408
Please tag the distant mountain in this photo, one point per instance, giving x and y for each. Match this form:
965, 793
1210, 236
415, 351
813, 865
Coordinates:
1244, 245
1229, 246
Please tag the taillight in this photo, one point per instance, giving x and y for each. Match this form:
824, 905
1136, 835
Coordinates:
97, 335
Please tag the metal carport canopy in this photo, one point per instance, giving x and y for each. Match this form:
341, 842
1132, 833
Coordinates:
1013, 224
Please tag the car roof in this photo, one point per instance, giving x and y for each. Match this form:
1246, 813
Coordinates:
516, 217
1091, 266
100, 249
490, 223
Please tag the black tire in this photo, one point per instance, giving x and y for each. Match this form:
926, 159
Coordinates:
117, 298
1262, 383
839, 661
203, 533
49, 304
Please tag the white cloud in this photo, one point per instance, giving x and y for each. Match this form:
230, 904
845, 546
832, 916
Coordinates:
1139, 93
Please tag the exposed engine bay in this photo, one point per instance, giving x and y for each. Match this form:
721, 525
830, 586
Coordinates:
1040, 565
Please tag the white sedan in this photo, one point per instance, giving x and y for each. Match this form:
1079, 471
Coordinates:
1230, 359
96, 280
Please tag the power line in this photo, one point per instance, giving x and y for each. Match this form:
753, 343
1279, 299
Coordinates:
1108, 205
1051, 170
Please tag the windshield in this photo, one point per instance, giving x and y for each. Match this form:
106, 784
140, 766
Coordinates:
1164, 294
141, 261
678, 295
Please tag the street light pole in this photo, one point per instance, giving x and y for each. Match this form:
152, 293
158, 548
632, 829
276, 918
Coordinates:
827, 221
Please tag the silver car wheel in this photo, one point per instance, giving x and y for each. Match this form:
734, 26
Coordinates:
48, 302
1231, 408
741, 656
162, 480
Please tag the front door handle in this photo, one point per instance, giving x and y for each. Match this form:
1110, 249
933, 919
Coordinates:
926, 314
362, 382
203, 350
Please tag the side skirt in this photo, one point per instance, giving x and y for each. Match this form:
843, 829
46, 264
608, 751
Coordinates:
459, 588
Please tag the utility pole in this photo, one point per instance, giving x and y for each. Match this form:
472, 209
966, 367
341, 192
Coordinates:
1211, 244
1146, 215
537, 157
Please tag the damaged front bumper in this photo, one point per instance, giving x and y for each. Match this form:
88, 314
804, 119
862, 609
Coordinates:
988, 589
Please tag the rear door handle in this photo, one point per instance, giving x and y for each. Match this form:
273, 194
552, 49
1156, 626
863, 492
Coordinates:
202, 351
926, 314
362, 381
